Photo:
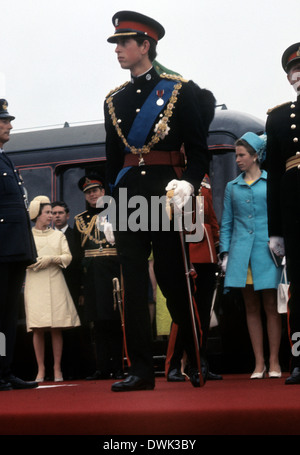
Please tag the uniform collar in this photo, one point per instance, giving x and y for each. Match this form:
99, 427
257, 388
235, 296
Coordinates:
144, 78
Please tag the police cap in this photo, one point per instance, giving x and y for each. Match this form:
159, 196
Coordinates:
290, 55
129, 24
3, 110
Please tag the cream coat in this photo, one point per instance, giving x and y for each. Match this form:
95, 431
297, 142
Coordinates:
48, 302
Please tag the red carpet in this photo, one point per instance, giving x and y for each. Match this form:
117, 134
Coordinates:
234, 406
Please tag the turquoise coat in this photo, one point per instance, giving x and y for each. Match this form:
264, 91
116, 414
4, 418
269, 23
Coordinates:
244, 235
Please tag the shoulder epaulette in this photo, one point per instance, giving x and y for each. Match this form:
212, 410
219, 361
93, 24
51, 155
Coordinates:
276, 107
117, 89
79, 214
173, 77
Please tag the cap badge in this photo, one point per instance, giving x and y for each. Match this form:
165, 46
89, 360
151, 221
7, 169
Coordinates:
298, 52
4, 105
116, 22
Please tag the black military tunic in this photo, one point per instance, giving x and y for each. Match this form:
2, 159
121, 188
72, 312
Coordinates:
17, 251
283, 192
99, 266
187, 126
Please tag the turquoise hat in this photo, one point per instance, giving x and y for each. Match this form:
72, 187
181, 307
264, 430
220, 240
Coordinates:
258, 143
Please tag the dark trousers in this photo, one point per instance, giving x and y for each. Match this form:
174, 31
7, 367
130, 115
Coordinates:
109, 346
294, 323
12, 276
205, 285
134, 250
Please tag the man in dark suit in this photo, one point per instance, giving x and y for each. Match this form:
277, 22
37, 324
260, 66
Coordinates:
283, 192
61, 215
17, 251
147, 121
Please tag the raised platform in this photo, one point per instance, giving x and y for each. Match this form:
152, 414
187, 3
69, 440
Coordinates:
235, 405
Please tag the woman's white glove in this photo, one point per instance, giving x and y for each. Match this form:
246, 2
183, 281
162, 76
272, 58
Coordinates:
45, 261
277, 246
224, 262
182, 190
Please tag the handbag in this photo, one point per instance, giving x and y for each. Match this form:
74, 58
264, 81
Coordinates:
283, 292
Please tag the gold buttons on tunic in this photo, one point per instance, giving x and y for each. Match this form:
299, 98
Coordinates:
139, 91
137, 110
295, 139
293, 106
293, 115
293, 127
143, 172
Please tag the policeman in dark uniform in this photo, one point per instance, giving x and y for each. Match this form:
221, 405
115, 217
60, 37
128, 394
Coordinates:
99, 265
147, 121
17, 251
283, 192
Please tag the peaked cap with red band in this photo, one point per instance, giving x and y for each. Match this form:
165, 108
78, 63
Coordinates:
290, 55
91, 181
129, 24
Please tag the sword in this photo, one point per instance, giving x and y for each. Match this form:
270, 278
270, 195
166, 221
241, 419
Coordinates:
117, 296
188, 273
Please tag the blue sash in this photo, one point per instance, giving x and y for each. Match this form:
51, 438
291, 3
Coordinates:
144, 120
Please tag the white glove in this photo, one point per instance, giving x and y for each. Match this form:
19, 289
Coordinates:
109, 233
277, 246
224, 262
182, 192
44, 261
103, 225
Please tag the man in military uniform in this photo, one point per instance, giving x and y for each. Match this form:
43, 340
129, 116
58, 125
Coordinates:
283, 190
17, 251
99, 266
147, 121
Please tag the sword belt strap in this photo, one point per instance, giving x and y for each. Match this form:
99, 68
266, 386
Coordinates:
293, 161
97, 252
158, 157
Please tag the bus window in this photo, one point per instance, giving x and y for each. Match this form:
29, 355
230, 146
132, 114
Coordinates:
37, 181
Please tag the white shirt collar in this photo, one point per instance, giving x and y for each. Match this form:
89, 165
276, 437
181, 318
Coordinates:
63, 229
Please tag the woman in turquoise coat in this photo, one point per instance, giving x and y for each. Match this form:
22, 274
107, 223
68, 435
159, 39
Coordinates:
244, 249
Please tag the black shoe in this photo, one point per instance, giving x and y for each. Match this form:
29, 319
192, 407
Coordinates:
213, 377
98, 375
17, 383
295, 377
118, 375
132, 383
4, 385
175, 375
195, 377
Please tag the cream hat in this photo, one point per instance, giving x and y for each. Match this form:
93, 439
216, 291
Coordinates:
35, 205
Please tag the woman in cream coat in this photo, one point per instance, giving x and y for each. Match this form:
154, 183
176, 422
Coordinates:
48, 303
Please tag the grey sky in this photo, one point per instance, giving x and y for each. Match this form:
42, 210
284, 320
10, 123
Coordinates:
58, 65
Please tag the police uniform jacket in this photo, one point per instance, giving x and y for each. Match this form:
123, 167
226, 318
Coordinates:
244, 235
99, 264
283, 142
16, 241
186, 126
